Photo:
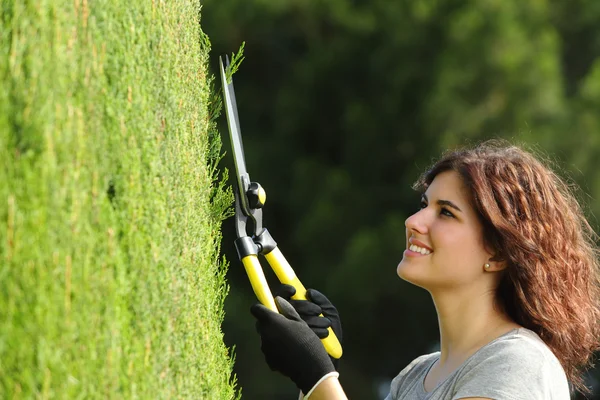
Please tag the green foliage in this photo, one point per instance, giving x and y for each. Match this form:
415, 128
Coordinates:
344, 103
235, 62
111, 282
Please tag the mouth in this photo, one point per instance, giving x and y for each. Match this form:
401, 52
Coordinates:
413, 248
417, 247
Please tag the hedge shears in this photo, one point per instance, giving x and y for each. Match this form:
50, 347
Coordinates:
250, 198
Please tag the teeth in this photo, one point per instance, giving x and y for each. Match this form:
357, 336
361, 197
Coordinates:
418, 249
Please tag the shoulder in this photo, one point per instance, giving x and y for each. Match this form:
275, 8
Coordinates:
520, 347
511, 366
410, 374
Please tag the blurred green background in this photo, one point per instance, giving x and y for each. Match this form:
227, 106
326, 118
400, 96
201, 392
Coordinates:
343, 103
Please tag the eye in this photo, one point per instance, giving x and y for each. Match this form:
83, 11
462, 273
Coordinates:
447, 213
422, 205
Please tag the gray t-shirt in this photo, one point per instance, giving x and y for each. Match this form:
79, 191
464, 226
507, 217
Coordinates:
515, 366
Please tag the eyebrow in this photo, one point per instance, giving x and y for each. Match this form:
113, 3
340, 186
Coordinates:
443, 203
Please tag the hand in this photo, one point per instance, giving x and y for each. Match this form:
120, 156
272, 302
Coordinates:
290, 346
310, 310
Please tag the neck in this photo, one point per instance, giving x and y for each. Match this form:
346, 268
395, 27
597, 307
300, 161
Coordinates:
468, 320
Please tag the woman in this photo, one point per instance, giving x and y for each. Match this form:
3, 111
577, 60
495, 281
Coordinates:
509, 259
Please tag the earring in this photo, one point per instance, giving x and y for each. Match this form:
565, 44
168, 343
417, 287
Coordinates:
486, 266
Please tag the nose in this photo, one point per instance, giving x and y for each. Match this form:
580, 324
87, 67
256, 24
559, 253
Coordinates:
416, 223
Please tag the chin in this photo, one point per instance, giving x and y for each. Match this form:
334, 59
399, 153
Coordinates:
406, 271
411, 273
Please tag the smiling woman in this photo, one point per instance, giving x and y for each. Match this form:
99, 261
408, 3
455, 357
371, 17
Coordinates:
537, 235
447, 236
502, 246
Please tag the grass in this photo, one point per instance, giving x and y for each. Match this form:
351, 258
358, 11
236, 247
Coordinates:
111, 284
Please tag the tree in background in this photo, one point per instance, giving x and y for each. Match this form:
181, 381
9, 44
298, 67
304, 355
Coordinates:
343, 103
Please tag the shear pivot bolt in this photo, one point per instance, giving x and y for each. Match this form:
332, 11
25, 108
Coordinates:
256, 195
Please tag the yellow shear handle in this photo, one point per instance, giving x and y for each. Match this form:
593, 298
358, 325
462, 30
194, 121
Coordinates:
286, 275
258, 282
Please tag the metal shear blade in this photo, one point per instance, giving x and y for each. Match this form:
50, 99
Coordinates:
243, 209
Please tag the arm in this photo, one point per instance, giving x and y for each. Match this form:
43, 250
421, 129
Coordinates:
329, 389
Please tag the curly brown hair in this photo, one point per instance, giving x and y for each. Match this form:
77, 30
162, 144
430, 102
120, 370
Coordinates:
533, 222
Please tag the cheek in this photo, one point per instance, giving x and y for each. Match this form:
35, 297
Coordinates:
461, 250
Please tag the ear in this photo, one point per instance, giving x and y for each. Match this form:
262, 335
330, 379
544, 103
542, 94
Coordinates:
497, 263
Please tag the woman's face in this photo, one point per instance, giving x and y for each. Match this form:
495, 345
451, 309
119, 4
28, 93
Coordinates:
448, 236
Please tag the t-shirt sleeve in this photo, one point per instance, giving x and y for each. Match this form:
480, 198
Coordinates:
507, 370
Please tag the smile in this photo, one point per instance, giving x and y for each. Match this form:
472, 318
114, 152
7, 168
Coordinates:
418, 249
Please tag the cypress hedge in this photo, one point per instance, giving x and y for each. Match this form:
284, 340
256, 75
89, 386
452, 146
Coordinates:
111, 283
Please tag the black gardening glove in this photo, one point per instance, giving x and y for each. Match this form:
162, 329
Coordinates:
310, 310
290, 346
